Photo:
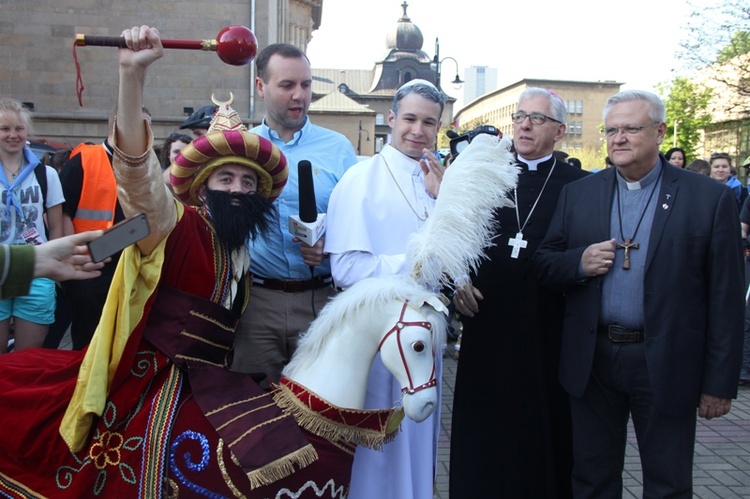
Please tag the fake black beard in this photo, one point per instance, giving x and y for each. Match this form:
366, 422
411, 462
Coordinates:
235, 225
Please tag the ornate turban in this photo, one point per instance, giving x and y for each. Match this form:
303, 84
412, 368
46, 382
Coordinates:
227, 141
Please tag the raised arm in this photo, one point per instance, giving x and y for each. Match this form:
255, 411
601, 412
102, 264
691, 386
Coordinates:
140, 184
144, 47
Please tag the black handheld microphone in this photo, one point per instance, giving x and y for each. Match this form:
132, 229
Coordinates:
309, 225
308, 211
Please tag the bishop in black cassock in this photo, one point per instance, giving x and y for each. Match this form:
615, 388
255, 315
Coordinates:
511, 429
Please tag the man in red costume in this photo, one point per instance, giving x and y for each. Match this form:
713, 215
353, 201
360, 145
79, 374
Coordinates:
150, 408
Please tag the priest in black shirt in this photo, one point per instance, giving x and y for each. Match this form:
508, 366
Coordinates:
511, 430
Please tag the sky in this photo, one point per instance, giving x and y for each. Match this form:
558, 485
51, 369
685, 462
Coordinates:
632, 42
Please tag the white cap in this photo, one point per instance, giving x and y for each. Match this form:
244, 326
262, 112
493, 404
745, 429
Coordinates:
417, 81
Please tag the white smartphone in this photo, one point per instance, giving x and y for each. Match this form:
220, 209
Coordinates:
118, 237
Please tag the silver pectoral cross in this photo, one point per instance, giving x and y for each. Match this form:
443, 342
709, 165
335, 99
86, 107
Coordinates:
517, 242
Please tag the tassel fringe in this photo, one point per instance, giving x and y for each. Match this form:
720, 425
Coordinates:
282, 468
343, 431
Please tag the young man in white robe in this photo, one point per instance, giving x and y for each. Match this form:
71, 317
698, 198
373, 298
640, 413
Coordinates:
372, 211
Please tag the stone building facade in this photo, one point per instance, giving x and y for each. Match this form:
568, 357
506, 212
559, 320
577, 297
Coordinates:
730, 111
38, 63
584, 100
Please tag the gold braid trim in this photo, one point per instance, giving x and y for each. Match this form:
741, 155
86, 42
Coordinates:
282, 467
17, 487
337, 431
134, 161
204, 316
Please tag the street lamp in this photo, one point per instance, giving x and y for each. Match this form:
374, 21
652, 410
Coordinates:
437, 62
359, 138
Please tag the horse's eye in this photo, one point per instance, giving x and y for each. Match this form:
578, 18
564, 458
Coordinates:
418, 346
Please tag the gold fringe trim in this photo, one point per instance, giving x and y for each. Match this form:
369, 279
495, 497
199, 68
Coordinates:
333, 430
282, 467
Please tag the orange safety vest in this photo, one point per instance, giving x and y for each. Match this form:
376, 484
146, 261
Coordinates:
96, 207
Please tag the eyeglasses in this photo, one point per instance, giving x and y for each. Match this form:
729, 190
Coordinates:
534, 118
610, 132
720, 155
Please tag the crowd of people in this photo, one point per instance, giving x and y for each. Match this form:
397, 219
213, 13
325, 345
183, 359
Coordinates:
576, 321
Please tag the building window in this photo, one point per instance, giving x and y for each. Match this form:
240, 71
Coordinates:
579, 107
574, 128
379, 119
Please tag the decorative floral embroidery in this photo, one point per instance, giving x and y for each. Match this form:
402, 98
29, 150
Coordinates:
107, 450
107, 447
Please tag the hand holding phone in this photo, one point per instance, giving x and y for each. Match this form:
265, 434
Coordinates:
118, 237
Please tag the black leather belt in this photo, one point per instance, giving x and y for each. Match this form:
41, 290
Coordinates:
619, 334
293, 285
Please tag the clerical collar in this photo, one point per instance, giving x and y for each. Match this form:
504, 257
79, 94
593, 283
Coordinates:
640, 184
533, 164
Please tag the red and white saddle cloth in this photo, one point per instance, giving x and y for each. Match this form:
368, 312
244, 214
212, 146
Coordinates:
334, 433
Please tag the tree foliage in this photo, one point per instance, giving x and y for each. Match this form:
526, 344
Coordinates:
591, 159
687, 105
717, 43
739, 45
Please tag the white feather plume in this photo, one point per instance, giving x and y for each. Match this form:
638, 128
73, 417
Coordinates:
453, 241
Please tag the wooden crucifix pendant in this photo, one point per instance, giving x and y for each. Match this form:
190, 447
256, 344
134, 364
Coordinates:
626, 246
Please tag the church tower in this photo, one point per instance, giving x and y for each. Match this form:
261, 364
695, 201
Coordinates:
404, 58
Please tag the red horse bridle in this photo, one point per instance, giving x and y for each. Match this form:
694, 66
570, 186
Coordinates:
397, 328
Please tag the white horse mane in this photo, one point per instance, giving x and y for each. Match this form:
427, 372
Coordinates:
452, 242
367, 297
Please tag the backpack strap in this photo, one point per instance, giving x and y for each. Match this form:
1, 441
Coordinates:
41, 177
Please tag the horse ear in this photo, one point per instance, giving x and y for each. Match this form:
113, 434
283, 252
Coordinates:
436, 302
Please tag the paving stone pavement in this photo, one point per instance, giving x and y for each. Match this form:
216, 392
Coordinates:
721, 467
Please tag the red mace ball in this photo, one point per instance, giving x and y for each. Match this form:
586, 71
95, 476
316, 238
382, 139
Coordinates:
236, 45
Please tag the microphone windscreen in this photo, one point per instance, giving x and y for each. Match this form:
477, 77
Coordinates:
308, 210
